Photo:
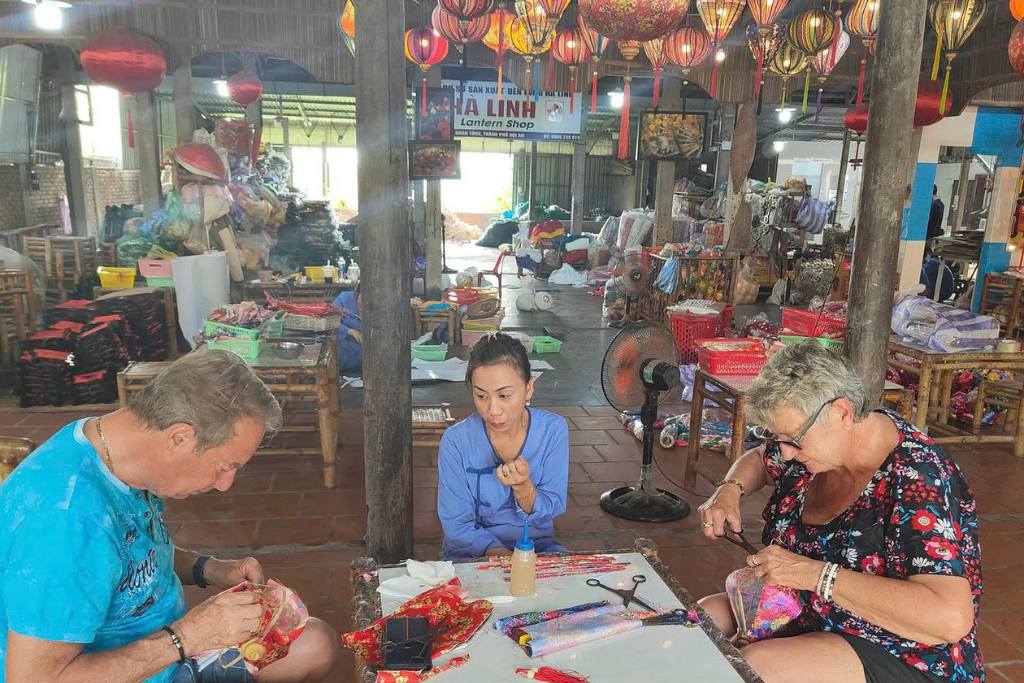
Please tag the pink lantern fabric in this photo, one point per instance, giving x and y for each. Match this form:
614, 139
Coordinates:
123, 59
630, 20
202, 160
244, 88
761, 610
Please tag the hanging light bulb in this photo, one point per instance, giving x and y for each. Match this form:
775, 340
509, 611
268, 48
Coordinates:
616, 98
779, 145
221, 87
785, 115
720, 55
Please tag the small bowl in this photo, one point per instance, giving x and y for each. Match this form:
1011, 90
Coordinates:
288, 350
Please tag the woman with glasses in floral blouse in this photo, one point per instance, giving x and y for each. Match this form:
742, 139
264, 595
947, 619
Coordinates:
873, 524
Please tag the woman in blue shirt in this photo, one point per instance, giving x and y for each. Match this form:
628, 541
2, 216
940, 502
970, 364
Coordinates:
350, 332
504, 465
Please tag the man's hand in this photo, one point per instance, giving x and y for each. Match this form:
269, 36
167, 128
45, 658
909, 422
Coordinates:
228, 573
514, 473
357, 335
498, 551
223, 621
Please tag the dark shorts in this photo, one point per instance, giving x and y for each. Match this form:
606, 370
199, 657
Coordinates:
214, 673
880, 666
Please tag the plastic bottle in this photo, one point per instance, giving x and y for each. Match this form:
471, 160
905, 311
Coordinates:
524, 567
353, 272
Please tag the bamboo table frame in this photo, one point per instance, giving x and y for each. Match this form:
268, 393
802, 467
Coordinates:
367, 605
935, 384
294, 383
311, 291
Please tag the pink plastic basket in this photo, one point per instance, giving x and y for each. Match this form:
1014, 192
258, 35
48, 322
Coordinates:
808, 323
731, 363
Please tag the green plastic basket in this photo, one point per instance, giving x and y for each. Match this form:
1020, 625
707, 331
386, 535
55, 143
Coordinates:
830, 344
544, 344
429, 353
248, 349
270, 328
160, 282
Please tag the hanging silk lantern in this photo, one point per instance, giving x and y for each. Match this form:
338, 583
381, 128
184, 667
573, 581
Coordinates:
788, 62
425, 47
1016, 48
655, 51
825, 62
244, 88
535, 18
954, 21
927, 107
457, 32
862, 22
629, 49
812, 31
554, 10
856, 118
764, 43
719, 17
621, 20
687, 48
347, 24
570, 48
1017, 9
597, 44
521, 40
467, 10
765, 12
497, 39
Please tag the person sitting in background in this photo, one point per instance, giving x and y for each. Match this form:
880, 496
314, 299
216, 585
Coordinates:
90, 580
869, 521
506, 464
350, 332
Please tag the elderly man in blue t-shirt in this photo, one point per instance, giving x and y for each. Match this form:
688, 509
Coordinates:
90, 581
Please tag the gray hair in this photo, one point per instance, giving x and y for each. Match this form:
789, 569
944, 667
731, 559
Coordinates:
804, 377
210, 390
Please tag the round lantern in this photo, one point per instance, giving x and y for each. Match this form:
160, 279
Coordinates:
862, 22
926, 108
1017, 9
687, 48
765, 12
570, 48
425, 47
467, 10
348, 24
597, 44
856, 118
458, 32
554, 10
201, 160
521, 40
719, 17
812, 31
497, 39
824, 63
788, 62
655, 51
1016, 48
123, 59
633, 20
954, 21
244, 88
764, 43
534, 19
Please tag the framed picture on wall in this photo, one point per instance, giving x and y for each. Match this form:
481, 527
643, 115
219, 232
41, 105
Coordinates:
434, 160
437, 123
669, 136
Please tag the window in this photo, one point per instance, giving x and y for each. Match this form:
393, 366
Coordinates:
101, 136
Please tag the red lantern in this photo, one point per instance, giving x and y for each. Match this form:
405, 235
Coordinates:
467, 10
571, 49
719, 17
597, 44
125, 60
1016, 48
764, 43
687, 48
426, 47
458, 32
1017, 9
203, 160
655, 51
856, 118
633, 20
926, 108
245, 88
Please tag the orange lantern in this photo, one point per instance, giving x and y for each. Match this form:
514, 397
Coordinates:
655, 51
570, 48
425, 47
687, 48
1017, 9
347, 24
497, 39
597, 44
521, 40
765, 12
719, 17
862, 22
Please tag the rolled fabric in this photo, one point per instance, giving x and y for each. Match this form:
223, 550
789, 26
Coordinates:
577, 629
512, 626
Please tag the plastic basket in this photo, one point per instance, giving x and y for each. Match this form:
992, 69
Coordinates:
248, 349
836, 345
154, 267
311, 324
466, 295
546, 345
806, 323
470, 337
687, 329
731, 363
270, 328
524, 339
430, 353
490, 324
319, 274
160, 282
116, 278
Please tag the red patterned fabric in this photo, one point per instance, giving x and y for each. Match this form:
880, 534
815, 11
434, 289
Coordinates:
416, 676
631, 20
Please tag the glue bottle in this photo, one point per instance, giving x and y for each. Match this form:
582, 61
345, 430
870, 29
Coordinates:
524, 566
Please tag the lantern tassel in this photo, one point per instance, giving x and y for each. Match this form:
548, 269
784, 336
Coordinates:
807, 89
760, 72
531, 77
501, 75
785, 84
550, 675
860, 80
257, 140
818, 106
685, 83
938, 57
657, 87
593, 93
550, 85
945, 89
760, 97
423, 97
624, 122
714, 76
572, 89
131, 128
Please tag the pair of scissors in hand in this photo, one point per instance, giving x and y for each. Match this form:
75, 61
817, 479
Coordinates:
739, 539
628, 596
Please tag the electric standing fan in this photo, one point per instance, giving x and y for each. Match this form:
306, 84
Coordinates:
639, 364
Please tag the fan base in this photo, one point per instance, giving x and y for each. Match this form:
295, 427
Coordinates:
633, 503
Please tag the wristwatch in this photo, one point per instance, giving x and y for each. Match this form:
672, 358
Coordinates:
198, 571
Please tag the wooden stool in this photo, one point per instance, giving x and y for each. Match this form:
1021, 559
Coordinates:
1009, 395
899, 399
429, 423
425, 321
13, 450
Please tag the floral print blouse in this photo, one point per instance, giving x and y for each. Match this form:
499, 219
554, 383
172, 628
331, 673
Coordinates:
917, 515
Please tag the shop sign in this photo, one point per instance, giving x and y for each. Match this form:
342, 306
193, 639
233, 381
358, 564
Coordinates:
517, 115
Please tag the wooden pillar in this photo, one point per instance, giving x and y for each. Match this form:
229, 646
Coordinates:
961, 194
665, 182
844, 165
381, 134
71, 143
287, 144
434, 232
889, 154
578, 186
533, 179
739, 215
147, 145
184, 106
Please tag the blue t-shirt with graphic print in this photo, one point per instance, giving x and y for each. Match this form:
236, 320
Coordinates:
84, 558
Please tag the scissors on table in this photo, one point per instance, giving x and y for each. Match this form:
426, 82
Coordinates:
628, 596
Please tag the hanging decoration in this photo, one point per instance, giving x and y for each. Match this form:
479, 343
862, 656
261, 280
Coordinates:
764, 43
244, 88
825, 62
570, 48
812, 32
856, 118
719, 17
862, 22
1016, 48
788, 62
655, 51
765, 12
954, 21
521, 40
125, 60
597, 44
497, 39
467, 10
927, 107
629, 49
535, 19
458, 32
1017, 9
687, 48
554, 9
621, 20
347, 24
425, 47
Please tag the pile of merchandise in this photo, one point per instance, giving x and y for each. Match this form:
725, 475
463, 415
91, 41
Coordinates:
145, 317
44, 378
310, 236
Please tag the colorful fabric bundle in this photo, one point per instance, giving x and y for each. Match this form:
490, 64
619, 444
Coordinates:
760, 609
576, 629
384, 676
454, 620
513, 626
548, 230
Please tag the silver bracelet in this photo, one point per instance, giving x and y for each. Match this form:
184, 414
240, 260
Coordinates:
821, 579
830, 582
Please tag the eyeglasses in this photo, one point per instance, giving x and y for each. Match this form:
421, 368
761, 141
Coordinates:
770, 439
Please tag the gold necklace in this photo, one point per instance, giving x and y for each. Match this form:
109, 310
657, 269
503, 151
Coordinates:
106, 447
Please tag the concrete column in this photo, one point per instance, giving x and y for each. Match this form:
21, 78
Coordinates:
287, 144
844, 165
957, 219
147, 145
434, 232
665, 182
71, 143
184, 106
579, 183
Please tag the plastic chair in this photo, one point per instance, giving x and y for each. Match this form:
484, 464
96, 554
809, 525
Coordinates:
494, 272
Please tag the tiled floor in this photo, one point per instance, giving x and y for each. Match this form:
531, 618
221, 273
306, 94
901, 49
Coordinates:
306, 536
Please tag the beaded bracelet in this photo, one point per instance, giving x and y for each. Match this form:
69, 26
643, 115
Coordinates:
736, 482
830, 582
821, 578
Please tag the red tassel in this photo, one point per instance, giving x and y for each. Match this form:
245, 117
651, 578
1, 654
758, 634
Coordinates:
657, 86
550, 675
572, 90
501, 74
551, 71
423, 97
624, 123
714, 80
593, 94
131, 128
760, 73
860, 80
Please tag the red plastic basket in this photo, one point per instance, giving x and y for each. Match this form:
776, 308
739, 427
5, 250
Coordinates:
731, 363
462, 296
687, 329
808, 323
